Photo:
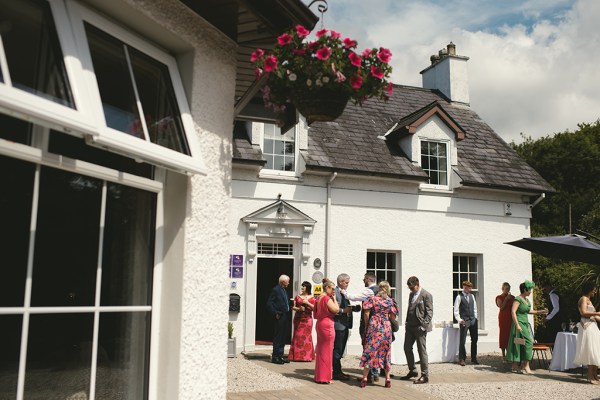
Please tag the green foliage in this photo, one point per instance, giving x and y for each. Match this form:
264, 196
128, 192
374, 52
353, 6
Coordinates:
570, 162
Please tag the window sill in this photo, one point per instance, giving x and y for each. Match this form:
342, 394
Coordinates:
279, 177
434, 189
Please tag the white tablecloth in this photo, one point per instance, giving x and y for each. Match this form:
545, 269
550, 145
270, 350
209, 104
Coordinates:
442, 346
564, 352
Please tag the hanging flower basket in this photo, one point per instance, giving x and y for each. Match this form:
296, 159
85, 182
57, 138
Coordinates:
319, 77
320, 105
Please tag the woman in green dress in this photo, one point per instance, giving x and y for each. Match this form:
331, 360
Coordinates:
521, 329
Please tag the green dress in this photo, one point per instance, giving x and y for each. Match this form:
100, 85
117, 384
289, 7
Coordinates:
517, 352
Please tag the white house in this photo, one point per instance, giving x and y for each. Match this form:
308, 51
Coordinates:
115, 164
419, 185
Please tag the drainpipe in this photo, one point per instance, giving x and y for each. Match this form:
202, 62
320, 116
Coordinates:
537, 201
328, 222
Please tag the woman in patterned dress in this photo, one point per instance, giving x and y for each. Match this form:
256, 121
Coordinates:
379, 310
302, 348
521, 329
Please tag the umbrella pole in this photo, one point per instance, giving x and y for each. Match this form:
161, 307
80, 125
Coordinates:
587, 234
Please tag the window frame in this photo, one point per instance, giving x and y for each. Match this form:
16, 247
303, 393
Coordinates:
448, 163
477, 289
274, 172
395, 286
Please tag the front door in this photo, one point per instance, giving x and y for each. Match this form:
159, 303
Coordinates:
269, 271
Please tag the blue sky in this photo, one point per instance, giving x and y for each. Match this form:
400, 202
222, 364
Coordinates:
534, 65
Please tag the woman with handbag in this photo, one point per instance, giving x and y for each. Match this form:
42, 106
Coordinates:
379, 311
520, 341
588, 336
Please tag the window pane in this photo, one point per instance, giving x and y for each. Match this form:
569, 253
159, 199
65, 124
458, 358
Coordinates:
443, 178
391, 277
289, 148
279, 147
35, 59
370, 260
76, 148
123, 355
269, 131
15, 130
10, 344
279, 163
455, 281
290, 134
464, 265
155, 90
128, 258
114, 82
269, 164
391, 260
473, 264
380, 260
16, 181
66, 246
380, 275
289, 164
59, 351
441, 150
269, 146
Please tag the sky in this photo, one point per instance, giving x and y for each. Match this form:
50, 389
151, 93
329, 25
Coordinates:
534, 65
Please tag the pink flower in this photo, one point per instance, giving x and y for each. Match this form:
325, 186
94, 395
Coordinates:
271, 63
334, 34
367, 52
284, 39
376, 72
355, 59
384, 55
258, 72
302, 31
256, 55
356, 82
389, 88
321, 32
339, 77
350, 43
313, 46
323, 53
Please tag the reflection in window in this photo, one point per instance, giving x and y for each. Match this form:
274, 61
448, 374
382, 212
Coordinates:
434, 161
33, 53
279, 149
125, 77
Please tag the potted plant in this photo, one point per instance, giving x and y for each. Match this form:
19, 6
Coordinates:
320, 76
230, 340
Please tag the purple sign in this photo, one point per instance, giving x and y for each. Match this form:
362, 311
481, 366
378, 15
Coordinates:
236, 260
237, 272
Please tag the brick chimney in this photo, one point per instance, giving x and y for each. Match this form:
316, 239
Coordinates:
448, 73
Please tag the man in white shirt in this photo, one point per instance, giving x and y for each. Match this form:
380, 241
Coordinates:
465, 312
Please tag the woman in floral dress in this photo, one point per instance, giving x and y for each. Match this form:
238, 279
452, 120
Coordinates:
379, 310
302, 348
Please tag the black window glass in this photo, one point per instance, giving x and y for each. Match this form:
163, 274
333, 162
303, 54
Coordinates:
15, 130
33, 52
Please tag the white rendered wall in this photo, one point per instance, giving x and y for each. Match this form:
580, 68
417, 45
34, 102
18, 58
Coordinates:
450, 76
425, 228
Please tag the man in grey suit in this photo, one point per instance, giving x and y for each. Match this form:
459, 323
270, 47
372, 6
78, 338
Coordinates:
418, 322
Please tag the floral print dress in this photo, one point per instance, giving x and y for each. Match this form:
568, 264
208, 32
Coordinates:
377, 351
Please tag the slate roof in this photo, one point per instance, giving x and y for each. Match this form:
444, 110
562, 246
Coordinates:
353, 144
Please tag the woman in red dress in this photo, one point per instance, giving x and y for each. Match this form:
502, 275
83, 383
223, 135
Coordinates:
504, 302
302, 348
325, 308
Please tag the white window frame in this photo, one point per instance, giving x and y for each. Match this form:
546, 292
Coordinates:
448, 163
396, 268
477, 290
264, 172
87, 120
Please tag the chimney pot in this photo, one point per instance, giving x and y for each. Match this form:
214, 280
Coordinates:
451, 48
434, 58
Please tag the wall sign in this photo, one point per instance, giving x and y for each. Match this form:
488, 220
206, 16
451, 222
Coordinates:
236, 266
317, 263
317, 277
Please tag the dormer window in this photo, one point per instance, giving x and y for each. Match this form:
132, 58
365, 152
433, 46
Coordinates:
279, 149
434, 161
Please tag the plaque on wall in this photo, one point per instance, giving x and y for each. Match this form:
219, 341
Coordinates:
317, 277
317, 263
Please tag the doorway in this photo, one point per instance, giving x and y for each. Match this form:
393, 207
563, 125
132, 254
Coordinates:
268, 272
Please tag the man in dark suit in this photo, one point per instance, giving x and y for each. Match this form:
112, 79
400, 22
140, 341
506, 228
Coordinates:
278, 307
418, 322
342, 324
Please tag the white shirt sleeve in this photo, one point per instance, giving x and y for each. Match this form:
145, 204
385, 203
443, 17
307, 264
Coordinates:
475, 306
362, 296
555, 306
456, 306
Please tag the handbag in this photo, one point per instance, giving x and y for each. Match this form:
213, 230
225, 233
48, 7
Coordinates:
519, 340
395, 325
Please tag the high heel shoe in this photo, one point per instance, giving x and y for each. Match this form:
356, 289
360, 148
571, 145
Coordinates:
363, 383
388, 383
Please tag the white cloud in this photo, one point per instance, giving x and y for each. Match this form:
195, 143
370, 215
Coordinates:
536, 76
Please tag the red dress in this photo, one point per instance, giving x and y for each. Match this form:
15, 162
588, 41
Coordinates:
302, 348
504, 320
325, 338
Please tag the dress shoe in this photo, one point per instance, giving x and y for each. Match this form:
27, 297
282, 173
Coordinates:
369, 380
340, 377
461, 363
285, 360
475, 362
363, 382
278, 361
388, 383
422, 379
409, 376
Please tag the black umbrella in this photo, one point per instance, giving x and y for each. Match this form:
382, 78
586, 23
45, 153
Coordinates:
567, 248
